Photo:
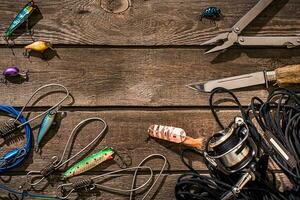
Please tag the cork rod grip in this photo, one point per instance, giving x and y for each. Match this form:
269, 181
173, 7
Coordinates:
288, 75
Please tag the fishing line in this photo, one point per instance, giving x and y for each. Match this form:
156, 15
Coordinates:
56, 162
14, 194
56, 106
17, 155
65, 190
279, 119
9, 128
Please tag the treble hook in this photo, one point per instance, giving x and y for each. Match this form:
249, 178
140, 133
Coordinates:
58, 163
91, 183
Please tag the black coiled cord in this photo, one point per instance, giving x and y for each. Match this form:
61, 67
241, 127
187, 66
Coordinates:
279, 115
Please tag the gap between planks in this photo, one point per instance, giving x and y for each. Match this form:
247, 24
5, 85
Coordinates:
192, 47
130, 108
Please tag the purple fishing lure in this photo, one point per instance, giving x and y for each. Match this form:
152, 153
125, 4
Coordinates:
13, 71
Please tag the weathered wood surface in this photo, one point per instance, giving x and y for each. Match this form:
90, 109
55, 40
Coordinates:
127, 133
155, 22
164, 189
131, 69
138, 76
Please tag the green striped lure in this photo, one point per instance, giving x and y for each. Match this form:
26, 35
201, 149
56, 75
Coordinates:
89, 162
21, 17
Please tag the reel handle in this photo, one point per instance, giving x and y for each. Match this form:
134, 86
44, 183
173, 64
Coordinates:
247, 177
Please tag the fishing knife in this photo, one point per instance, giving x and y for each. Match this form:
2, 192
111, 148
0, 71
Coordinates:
283, 76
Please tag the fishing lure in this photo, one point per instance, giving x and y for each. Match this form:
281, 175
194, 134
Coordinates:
39, 46
175, 135
21, 17
14, 72
212, 13
169, 133
36, 177
9, 127
45, 126
65, 190
89, 162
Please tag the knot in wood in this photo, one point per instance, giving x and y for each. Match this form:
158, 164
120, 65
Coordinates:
115, 6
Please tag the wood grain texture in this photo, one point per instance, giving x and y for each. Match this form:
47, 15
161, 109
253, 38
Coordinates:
155, 22
164, 189
131, 69
127, 134
138, 77
288, 75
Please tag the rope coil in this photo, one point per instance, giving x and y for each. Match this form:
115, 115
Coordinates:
279, 119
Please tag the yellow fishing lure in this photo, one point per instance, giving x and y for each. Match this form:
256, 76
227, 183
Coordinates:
38, 46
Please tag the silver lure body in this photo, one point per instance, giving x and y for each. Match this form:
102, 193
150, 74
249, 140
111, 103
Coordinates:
45, 126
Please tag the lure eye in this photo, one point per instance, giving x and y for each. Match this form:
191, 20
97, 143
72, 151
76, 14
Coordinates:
49, 44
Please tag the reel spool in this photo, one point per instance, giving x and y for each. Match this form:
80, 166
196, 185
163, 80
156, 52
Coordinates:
232, 151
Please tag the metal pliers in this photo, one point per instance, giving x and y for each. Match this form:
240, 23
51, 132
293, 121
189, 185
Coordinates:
233, 37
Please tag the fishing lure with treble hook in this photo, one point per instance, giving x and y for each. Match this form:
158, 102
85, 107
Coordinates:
39, 176
9, 128
38, 46
21, 17
65, 190
89, 162
14, 71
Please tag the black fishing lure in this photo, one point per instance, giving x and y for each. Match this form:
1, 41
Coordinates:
211, 13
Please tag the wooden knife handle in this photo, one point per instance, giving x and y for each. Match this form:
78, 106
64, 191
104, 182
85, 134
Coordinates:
288, 75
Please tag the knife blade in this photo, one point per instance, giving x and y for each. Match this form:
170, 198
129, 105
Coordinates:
283, 76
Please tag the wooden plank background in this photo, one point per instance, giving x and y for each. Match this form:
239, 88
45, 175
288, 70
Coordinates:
131, 69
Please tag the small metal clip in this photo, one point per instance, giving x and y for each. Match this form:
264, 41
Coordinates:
11, 126
65, 190
57, 163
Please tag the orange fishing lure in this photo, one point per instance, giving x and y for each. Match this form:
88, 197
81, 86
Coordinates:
39, 46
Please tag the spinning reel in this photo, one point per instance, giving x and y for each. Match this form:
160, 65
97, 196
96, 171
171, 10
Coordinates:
233, 152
